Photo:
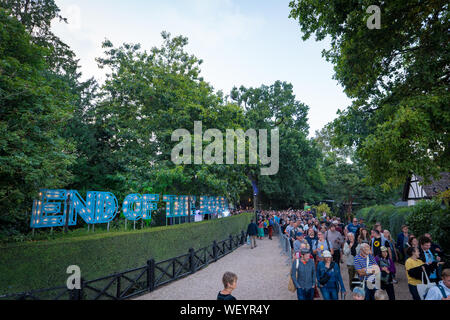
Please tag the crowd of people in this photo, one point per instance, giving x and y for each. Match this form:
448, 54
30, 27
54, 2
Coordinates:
322, 246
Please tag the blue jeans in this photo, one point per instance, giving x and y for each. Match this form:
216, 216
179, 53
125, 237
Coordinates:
329, 293
370, 293
305, 294
414, 293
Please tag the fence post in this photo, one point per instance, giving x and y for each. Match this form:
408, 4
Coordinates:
191, 260
215, 250
231, 242
118, 289
151, 274
242, 237
77, 294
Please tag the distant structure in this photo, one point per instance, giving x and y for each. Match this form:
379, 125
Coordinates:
414, 189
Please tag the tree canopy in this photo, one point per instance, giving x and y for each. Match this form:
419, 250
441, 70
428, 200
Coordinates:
397, 77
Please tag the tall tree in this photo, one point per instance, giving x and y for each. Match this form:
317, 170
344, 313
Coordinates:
147, 95
397, 77
35, 104
276, 107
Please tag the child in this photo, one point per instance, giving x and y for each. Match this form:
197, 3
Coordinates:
229, 280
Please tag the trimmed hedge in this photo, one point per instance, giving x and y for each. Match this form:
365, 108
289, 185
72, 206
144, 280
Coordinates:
390, 216
38, 265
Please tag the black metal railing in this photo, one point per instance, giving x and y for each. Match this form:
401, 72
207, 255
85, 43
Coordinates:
137, 281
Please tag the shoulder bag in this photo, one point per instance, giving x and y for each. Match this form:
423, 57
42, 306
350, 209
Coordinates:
422, 288
291, 286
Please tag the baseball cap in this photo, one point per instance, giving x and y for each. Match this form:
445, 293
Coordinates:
304, 251
383, 248
299, 234
327, 254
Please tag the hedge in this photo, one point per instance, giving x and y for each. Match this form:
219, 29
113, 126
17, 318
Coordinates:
426, 216
43, 264
390, 216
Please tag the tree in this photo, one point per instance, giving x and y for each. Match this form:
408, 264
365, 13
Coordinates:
35, 105
346, 176
298, 179
147, 96
397, 77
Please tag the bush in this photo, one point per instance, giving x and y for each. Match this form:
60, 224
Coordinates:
390, 217
322, 208
43, 264
419, 221
429, 216
425, 217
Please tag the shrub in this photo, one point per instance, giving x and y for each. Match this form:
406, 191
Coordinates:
390, 217
43, 264
322, 208
419, 221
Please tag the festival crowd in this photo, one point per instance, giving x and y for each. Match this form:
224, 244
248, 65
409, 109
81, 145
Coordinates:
322, 246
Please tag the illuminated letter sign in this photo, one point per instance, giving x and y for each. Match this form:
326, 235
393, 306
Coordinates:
56, 208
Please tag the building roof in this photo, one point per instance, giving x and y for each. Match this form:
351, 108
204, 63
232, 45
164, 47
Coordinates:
432, 189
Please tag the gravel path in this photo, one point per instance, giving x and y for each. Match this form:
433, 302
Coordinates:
262, 275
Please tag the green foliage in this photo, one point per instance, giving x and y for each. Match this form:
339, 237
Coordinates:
427, 216
422, 215
321, 208
276, 107
346, 176
35, 104
390, 217
431, 217
43, 264
397, 77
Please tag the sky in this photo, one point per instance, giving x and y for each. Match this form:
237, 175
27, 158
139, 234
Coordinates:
242, 42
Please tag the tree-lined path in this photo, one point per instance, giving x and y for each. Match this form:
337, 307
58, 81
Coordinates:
262, 275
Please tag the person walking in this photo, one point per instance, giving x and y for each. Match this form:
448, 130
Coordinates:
336, 239
427, 256
311, 238
303, 274
271, 224
415, 269
367, 268
260, 229
252, 232
442, 290
351, 250
387, 268
402, 243
353, 228
320, 245
329, 278
364, 236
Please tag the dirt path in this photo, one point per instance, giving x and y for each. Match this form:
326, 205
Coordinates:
262, 275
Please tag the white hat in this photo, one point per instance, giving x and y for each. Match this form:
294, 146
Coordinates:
327, 254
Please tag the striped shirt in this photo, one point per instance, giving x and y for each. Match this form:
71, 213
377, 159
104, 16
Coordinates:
361, 263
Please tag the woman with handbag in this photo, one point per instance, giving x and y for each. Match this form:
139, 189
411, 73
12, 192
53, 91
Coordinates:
329, 277
415, 270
